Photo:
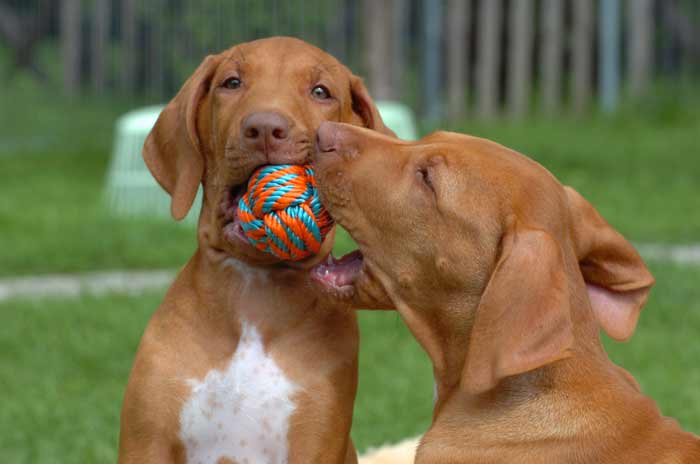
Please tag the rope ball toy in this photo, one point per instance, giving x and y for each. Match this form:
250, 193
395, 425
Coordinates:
280, 212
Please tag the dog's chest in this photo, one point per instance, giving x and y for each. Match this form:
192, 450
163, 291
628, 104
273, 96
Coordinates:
242, 412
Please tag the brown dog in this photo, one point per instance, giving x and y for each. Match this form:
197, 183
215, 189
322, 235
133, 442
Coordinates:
505, 277
244, 362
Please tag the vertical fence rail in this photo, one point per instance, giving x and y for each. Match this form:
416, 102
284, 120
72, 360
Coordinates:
157, 65
551, 54
377, 16
71, 45
519, 71
128, 44
457, 46
639, 44
609, 53
488, 59
582, 55
432, 59
99, 35
399, 21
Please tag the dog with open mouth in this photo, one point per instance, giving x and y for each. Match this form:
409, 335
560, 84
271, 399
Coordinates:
505, 277
245, 361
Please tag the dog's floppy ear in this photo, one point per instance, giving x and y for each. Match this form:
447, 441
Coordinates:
617, 279
523, 320
172, 150
364, 109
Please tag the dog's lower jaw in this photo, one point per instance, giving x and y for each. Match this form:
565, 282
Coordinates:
369, 293
218, 245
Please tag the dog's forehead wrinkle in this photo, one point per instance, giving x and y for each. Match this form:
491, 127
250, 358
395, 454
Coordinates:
241, 54
232, 59
318, 70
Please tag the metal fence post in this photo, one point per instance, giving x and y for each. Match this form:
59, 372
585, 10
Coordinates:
488, 58
432, 59
609, 53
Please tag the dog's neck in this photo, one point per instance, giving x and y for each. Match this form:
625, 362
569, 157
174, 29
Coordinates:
452, 350
445, 333
585, 398
577, 410
234, 287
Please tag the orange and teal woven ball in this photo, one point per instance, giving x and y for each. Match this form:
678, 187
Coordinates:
281, 213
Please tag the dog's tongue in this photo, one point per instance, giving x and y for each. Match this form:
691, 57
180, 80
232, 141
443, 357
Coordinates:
340, 272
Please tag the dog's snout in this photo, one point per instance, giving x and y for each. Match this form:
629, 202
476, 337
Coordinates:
326, 137
264, 131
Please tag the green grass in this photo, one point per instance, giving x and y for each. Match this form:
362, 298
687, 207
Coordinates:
640, 168
64, 365
54, 217
53, 160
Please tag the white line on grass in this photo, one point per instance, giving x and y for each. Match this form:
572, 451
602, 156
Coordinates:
679, 254
95, 283
135, 282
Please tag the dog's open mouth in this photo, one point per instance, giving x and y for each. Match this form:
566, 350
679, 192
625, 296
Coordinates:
338, 275
232, 228
233, 232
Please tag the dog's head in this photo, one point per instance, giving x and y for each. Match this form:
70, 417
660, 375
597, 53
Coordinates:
480, 249
257, 103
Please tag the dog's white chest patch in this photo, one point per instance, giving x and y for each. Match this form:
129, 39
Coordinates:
240, 413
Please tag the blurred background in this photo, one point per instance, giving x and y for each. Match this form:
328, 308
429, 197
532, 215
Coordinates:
604, 93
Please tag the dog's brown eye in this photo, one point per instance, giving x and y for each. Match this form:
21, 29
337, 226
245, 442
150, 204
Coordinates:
320, 92
232, 83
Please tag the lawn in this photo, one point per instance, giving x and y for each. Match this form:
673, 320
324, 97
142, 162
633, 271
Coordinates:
640, 168
53, 160
64, 365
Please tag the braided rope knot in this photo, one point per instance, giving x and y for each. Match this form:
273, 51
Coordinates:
280, 212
